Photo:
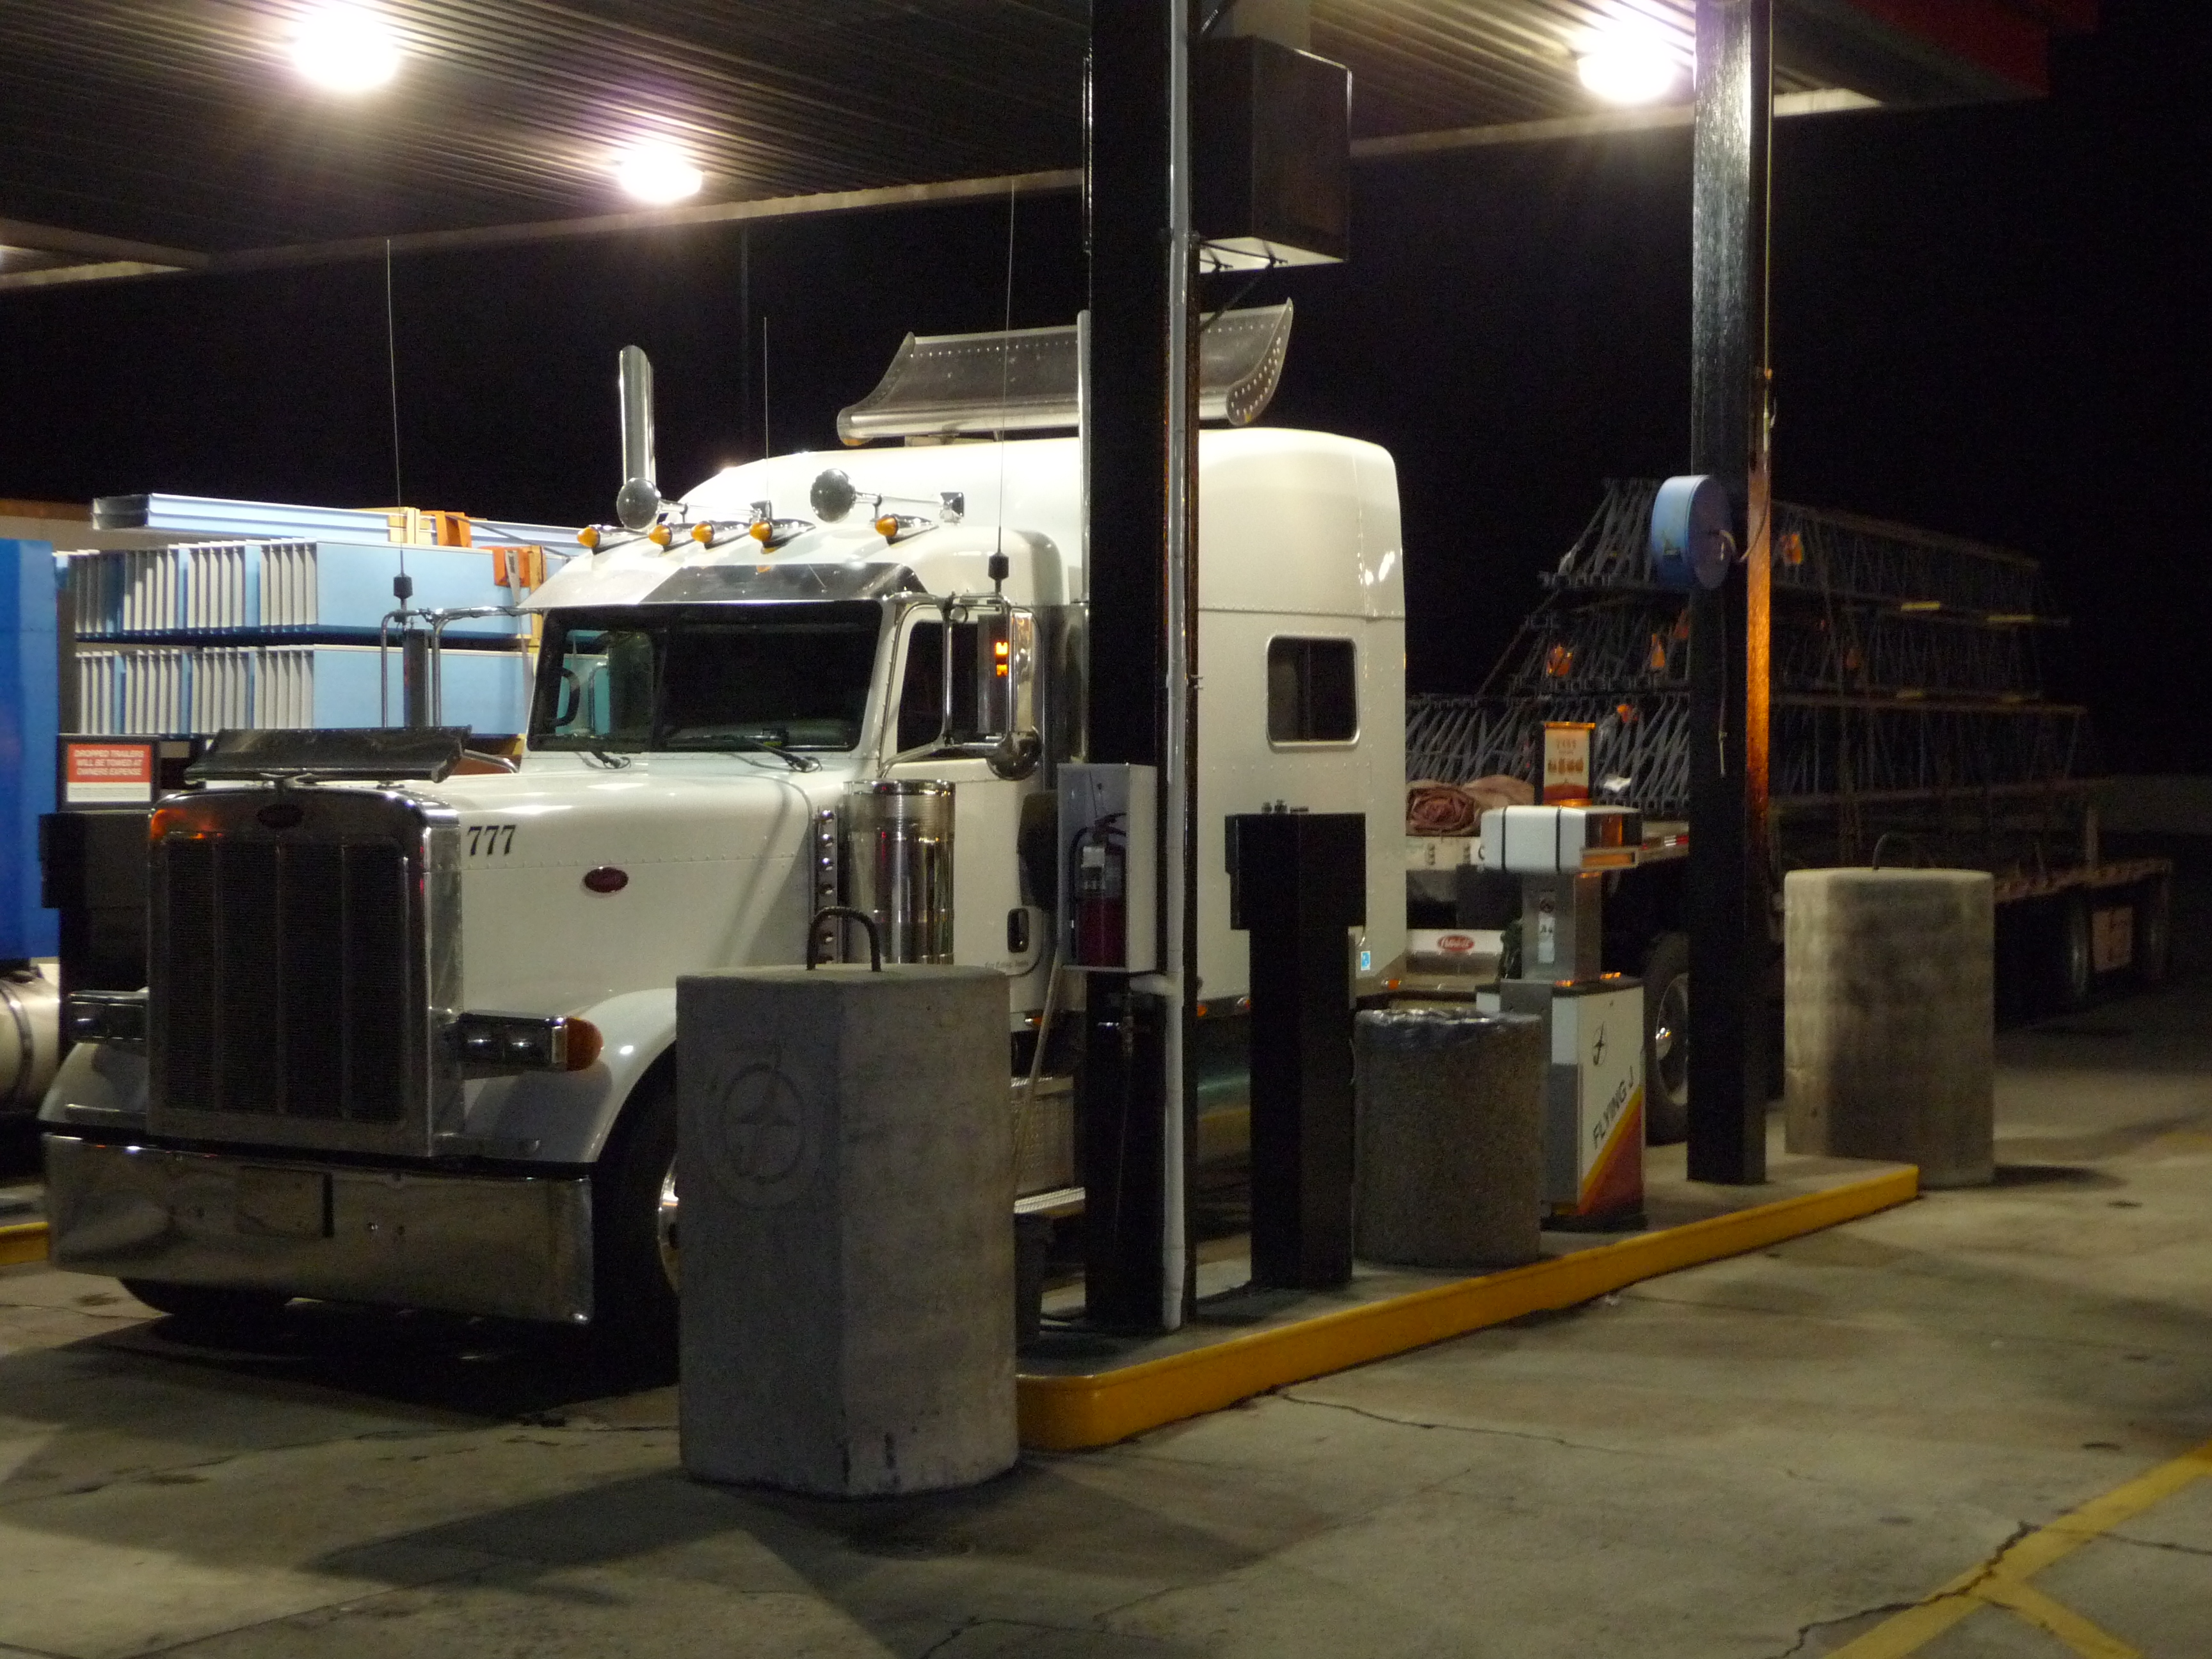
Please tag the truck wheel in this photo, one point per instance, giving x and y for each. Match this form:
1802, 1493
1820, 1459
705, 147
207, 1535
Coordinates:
2154, 932
2071, 966
1667, 1040
214, 1307
633, 1227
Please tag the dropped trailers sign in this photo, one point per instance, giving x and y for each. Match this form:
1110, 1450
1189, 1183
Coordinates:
104, 773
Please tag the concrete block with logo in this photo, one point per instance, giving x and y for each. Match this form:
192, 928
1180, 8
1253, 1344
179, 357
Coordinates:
845, 1159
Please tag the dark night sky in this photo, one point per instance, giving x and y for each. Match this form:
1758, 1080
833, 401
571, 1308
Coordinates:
1987, 321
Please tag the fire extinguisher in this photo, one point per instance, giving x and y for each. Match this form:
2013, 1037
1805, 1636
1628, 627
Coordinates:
1100, 913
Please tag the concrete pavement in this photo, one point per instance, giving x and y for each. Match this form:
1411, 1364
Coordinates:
1782, 1453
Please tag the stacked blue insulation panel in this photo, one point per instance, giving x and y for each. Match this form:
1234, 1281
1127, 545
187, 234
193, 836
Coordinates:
192, 640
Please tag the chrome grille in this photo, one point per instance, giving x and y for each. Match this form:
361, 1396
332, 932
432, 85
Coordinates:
290, 981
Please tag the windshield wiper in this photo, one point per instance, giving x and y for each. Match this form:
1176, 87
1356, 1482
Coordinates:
797, 763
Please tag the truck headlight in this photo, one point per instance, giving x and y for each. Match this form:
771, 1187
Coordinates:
491, 1044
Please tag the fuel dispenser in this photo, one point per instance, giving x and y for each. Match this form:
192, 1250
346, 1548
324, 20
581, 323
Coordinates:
1593, 1020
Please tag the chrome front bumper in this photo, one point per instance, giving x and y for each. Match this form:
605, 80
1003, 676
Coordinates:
517, 1247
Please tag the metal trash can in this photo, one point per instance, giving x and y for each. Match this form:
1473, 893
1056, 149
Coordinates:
1889, 1026
849, 1268
1450, 1131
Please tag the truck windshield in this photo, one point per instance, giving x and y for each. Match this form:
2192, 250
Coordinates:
709, 677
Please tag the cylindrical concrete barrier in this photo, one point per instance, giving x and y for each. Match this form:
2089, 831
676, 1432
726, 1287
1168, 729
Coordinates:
1449, 1106
846, 1153
1888, 1018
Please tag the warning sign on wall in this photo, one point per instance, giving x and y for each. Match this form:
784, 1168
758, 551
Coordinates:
106, 774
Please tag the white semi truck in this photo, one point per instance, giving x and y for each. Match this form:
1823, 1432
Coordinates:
408, 1034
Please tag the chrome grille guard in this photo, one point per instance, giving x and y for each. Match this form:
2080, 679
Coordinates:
303, 961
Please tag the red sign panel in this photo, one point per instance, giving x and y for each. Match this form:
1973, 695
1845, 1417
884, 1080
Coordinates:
93, 773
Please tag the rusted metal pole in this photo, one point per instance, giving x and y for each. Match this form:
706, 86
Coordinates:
1731, 951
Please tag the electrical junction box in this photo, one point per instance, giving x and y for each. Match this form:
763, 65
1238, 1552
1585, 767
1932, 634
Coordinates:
1108, 868
1593, 1097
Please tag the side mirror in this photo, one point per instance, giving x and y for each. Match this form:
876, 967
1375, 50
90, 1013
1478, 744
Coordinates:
1015, 755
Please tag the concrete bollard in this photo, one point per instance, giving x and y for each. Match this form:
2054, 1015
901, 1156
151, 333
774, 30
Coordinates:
1889, 1022
846, 1154
1450, 1131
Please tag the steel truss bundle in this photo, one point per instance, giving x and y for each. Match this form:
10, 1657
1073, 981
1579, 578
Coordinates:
1836, 555
1904, 678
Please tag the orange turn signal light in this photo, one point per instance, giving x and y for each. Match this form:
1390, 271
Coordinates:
887, 527
702, 533
589, 535
659, 535
761, 532
584, 1044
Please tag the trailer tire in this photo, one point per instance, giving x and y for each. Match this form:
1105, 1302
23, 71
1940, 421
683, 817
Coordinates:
2153, 932
210, 1307
2071, 964
633, 1277
1667, 1039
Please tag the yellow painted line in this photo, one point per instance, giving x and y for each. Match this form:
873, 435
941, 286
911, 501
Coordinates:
1063, 1413
2061, 1621
2004, 1583
25, 1242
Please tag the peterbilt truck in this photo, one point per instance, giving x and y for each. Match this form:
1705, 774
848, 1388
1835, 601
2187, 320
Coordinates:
408, 1034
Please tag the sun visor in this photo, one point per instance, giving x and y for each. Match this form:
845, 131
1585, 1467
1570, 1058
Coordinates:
950, 386
754, 584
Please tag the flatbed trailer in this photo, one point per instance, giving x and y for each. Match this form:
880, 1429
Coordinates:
1909, 725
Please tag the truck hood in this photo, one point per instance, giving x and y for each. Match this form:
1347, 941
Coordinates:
694, 862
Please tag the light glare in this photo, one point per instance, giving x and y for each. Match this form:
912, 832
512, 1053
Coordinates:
344, 48
658, 173
1630, 63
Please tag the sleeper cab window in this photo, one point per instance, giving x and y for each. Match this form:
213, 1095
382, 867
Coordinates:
1313, 692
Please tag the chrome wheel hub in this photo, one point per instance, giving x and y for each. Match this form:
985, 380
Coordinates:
665, 1225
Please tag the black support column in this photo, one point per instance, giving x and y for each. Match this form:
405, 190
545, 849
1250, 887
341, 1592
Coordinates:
1137, 472
1730, 947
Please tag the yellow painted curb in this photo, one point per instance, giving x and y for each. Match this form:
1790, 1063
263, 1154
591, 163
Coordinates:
25, 1242
1064, 1414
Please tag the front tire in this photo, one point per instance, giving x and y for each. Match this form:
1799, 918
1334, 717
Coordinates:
633, 1227
1667, 1040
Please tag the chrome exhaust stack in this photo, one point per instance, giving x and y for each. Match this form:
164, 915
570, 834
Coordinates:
637, 503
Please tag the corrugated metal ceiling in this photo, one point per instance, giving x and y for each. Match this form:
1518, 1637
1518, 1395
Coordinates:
180, 124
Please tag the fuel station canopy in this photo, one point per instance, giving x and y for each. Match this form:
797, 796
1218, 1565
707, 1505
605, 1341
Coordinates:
157, 137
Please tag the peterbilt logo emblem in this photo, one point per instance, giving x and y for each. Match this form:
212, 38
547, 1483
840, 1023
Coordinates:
1455, 945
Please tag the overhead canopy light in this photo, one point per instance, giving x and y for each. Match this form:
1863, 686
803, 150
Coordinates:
344, 48
657, 173
1630, 60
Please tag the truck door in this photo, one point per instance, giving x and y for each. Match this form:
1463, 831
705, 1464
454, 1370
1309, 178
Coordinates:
982, 739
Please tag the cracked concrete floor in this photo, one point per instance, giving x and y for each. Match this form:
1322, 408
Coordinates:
1763, 1456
